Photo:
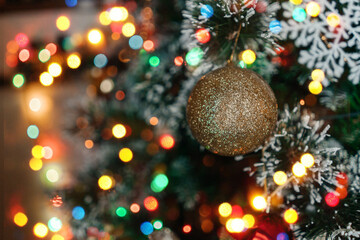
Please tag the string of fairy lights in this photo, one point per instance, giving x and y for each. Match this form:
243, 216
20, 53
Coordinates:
122, 24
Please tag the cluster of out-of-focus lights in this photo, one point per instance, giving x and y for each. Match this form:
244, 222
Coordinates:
128, 29
18, 80
225, 209
63, 23
125, 154
44, 55
106, 182
151, 203
33, 131
194, 56
119, 131
106, 85
100, 60
35, 164
20, 219
73, 61
118, 14
136, 42
146, 228
78, 213
259, 203
40, 230
52, 175
167, 141
95, 36
54, 224
299, 14
159, 183
46, 79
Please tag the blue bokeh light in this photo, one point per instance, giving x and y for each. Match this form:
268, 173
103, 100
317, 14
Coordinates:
136, 42
275, 26
207, 11
282, 236
78, 213
71, 3
33, 131
146, 228
100, 60
299, 14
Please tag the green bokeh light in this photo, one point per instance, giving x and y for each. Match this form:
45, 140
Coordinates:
18, 80
121, 211
159, 183
158, 224
154, 61
194, 56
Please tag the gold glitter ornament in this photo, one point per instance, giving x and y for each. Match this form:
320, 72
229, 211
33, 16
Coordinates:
231, 111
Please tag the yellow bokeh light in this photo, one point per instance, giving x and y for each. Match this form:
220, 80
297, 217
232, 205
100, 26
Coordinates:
118, 14
248, 56
235, 225
290, 216
104, 18
55, 69
63, 23
125, 155
313, 9
105, 182
20, 219
57, 237
249, 220
40, 230
280, 178
119, 131
317, 75
259, 203
315, 87
299, 169
225, 209
307, 160
95, 36
37, 152
46, 79
296, 2
333, 20
35, 164
73, 61
128, 29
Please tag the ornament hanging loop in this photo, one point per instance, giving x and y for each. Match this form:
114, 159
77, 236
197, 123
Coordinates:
231, 59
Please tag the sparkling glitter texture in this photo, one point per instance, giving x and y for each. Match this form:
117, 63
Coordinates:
231, 111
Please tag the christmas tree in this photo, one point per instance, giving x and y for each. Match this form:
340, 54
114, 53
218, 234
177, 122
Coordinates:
208, 119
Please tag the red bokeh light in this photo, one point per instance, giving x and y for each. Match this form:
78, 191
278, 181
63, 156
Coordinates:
178, 61
148, 45
151, 203
331, 199
167, 141
202, 35
237, 211
342, 178
52, 48
187, 228
21, 39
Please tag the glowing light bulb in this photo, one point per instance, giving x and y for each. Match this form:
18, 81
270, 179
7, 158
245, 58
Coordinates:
119, 131
333, 20
299, 169
40, 230
331, 199
107, 85
55, 69
317, 75
259, 203
225, 209
95, 36
187, 228
154, 121
63, 23
128, 29
290, 216
307, 160
248, 56
341, 192
20, 219
73, 61
202, 35
315, 87
280, 178
118, 14
35, 164
46, 79
313, 9
125, 155
178, 61
105, 182
249, 220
